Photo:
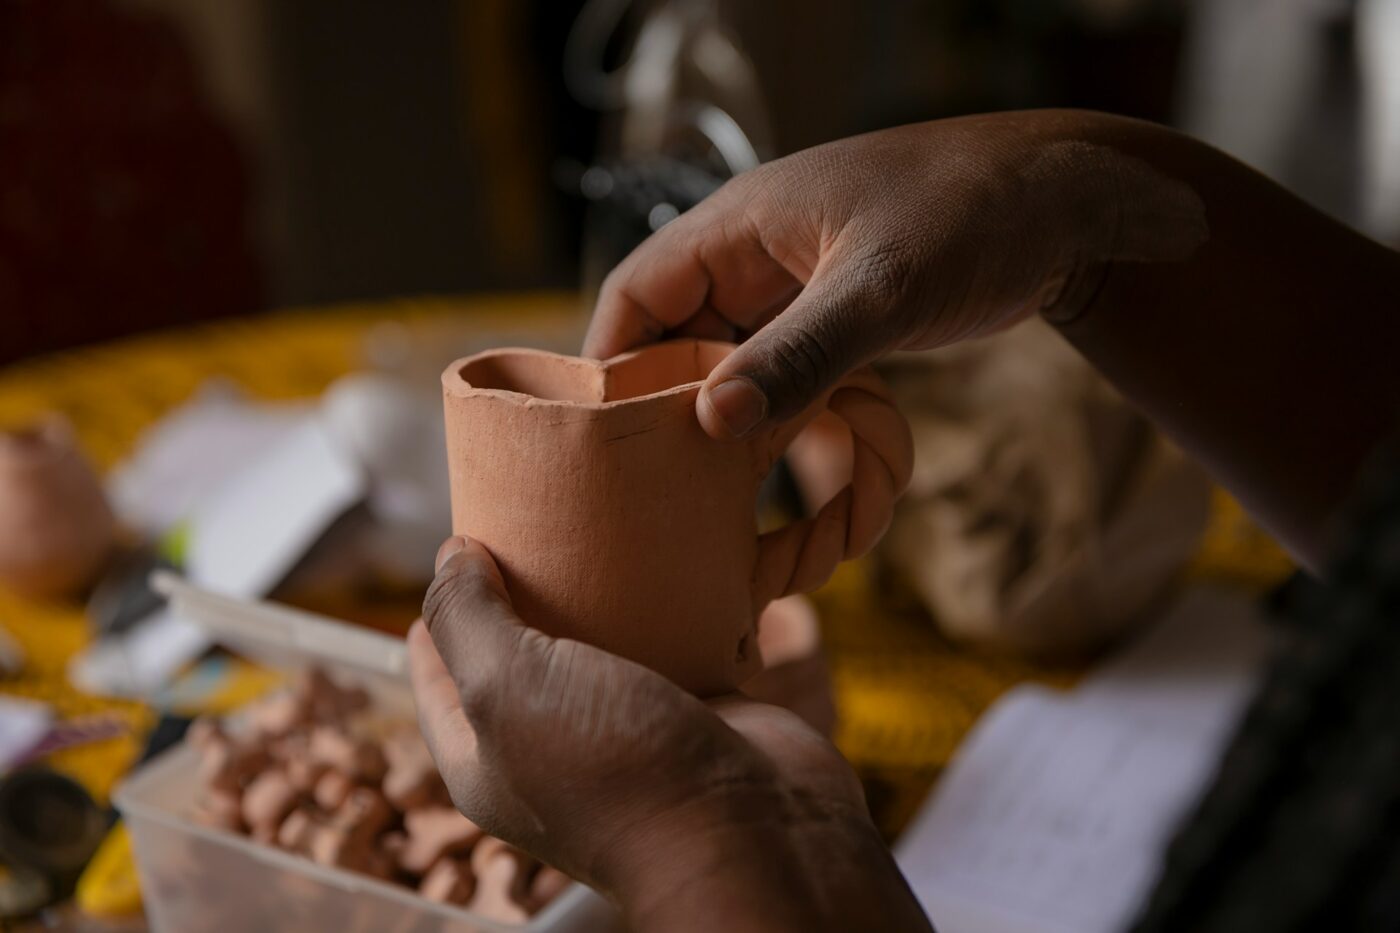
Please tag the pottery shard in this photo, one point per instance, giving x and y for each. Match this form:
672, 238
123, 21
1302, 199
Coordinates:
501, 882
450, 881
358, 758
410, 788
267, 800
434, 832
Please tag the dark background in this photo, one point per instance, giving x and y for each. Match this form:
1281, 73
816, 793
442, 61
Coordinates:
166, 161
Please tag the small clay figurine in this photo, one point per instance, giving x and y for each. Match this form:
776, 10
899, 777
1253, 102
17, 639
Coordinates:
204, 731
359, 758
392, 843
228, 765
332, 790
548, 883
280, 714
267, 800
328, 701
297, 831
348, 839
501, 881
57, 530
412, 779
304, 773
220, 808
434, 832
364, 812
450, 881
307, 777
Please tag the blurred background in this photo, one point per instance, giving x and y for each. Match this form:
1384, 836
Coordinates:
165, 161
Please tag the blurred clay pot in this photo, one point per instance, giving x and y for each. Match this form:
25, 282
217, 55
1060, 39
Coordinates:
56, 528
617, 521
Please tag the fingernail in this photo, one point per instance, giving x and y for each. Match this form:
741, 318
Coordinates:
449, 547
739, 404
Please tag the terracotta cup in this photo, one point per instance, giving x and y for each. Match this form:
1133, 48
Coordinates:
617, 521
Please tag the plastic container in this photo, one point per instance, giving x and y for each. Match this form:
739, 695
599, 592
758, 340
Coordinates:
195, 878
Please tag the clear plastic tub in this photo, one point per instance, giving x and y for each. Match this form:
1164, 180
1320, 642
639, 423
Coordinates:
195, 878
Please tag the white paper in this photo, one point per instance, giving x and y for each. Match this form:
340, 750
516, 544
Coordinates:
23, 723
194, 450
141, 660
254, 529
1055, 813
258, 485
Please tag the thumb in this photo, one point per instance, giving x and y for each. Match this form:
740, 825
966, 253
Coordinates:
826, 332
481, 640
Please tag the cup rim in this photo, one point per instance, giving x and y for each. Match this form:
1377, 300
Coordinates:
455, 384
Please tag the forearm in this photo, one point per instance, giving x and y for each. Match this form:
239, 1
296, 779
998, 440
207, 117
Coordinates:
1269, 353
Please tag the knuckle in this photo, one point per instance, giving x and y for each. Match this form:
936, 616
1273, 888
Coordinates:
884, 272
890, 276
512, 681
741, 188
435, 601
453, 594
612, 283
799, 363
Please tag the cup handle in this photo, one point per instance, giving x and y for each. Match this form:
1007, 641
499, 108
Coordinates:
800, 557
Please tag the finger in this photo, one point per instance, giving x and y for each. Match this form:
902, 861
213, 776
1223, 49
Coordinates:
711, 260
450, 737
830, 329
706, 324
482, 642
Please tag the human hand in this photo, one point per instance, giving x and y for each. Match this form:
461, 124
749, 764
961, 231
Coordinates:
908, 238
690, 814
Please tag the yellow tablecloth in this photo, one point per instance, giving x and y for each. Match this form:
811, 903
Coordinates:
904, 695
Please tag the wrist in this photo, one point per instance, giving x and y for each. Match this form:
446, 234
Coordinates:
764, 862
1098, 196
717, 878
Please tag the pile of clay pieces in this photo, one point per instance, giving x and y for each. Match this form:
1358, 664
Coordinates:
312, 771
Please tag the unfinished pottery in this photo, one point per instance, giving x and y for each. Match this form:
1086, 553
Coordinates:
617, 521
56, 528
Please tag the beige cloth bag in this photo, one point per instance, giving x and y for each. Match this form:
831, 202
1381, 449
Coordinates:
1045, 514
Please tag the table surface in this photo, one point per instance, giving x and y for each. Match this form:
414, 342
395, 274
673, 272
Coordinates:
905, 696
